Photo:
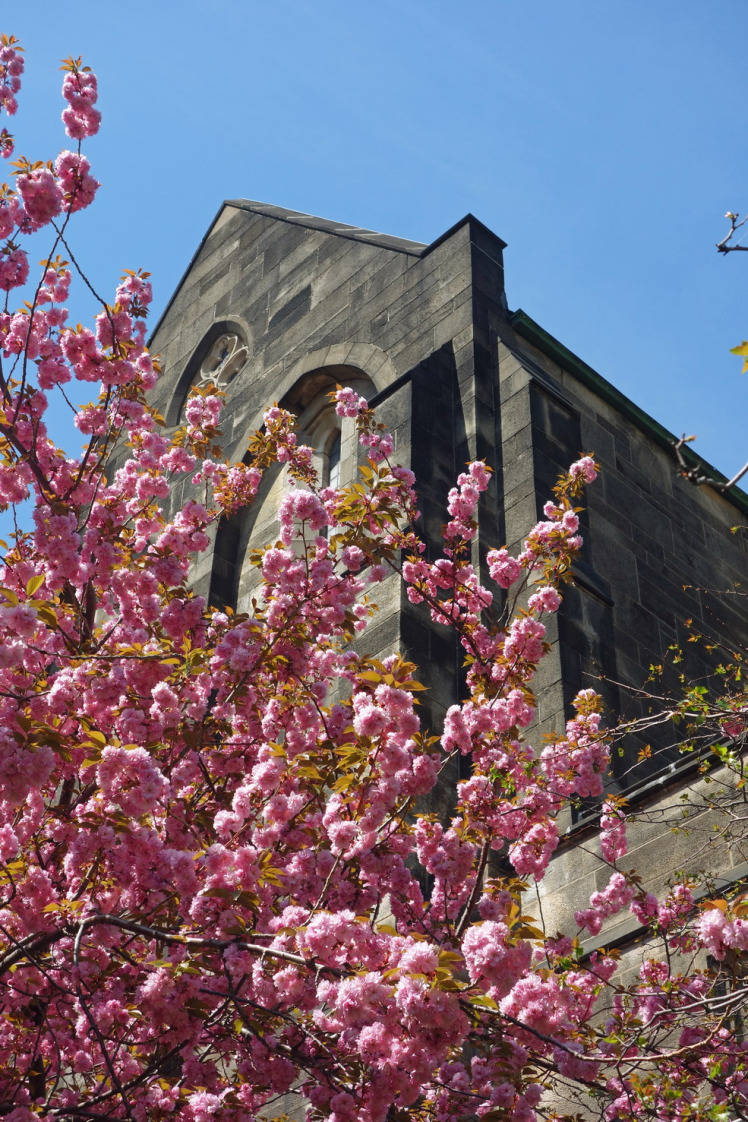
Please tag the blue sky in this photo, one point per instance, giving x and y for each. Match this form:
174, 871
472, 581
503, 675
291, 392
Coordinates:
602, 141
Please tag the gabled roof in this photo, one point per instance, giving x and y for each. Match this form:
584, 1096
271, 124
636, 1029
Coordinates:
311, 222
341, 229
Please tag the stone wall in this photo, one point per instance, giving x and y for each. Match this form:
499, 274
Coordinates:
658, 551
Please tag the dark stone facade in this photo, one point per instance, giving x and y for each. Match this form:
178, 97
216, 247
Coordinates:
425, 332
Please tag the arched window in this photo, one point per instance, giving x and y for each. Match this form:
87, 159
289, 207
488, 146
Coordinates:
221, 354
223, 361
334, 452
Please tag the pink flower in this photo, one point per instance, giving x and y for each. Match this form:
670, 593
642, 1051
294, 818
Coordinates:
41, 196
204, 1105
492, 958
11, 213
525, 640
79, 88
456, 733
14, 268
300, 510
76, 183
11, 68
419, 958
711, 927
617, 895
531, 853
203, 412
612, 832
348, 403
545, 599
132, 779
505, 570
369, 719
585, 469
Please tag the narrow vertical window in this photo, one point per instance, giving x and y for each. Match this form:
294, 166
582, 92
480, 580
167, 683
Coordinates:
225, 572
333, 462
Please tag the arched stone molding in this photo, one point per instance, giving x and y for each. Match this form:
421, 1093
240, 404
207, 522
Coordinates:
239, 354
371, 360
348, 359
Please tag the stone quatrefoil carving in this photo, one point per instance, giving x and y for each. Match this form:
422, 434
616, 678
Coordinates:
223, 361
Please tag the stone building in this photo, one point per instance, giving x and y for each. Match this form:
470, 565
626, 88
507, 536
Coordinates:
279, 306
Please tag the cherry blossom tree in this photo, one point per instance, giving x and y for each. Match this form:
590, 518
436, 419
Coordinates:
213, 854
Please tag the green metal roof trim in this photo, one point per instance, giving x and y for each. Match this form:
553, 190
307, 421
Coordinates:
525, 326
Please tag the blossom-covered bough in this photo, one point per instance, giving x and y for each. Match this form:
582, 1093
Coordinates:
212, 855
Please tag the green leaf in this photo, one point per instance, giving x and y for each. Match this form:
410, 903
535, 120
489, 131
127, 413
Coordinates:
47, 614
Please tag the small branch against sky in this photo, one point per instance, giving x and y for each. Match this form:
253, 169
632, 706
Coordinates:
726, 245
696, 474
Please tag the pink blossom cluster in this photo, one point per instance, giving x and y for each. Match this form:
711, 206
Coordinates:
585, 469
234, 487
10, 212
300, 510
201, 412
450, 586
55, 286
718, 932
492, 960
131, 779
44, 191
11, 69
41, 196
80, 90
543, 540
546, 599
618, 894
75, 182
676, 908
348, 403
531, 852
449, 858
504, 568
612, 831
462, 502
578, 763
512, 796
380, 446
14, 267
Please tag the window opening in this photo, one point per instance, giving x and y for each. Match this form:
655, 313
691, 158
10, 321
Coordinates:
225, 572
223, 361
333, 462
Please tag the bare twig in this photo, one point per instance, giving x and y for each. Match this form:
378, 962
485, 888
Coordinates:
695, 474
724, 245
